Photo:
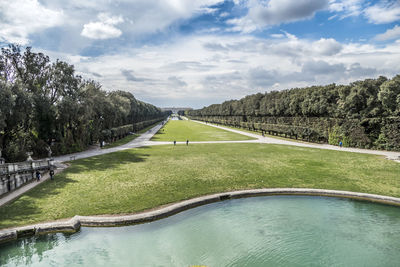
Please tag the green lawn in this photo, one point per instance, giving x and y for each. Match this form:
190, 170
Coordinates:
183, 130
139, 179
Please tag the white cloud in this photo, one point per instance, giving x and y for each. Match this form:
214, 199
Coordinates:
176, 81
281, 11
277, 35
224, 14
274, 12
346, 7
103, 29
390, 34
20, 18
208, 69
327, 47
385, 12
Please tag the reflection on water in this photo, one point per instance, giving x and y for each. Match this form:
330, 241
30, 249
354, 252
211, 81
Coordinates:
175, 118
263, 231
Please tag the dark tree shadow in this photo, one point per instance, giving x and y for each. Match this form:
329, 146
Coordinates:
21, 208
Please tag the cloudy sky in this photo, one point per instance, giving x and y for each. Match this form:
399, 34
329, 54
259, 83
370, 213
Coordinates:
199, 52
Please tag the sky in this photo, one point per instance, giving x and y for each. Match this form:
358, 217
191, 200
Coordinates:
193, 53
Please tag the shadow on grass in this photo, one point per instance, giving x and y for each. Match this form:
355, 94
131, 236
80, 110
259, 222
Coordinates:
156, 137
108, 161
26, 209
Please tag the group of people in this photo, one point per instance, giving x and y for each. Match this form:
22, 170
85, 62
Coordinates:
187, 142
39, 175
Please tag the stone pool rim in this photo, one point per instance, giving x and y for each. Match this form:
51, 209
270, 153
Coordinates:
73, 224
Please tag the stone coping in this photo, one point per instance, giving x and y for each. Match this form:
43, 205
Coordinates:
73, 224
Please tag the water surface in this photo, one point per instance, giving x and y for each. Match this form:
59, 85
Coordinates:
262, 231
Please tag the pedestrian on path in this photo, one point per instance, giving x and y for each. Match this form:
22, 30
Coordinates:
38, 175
51, 174
340, 144
174, 142
187, 142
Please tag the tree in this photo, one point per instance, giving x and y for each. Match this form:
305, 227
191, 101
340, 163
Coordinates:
389, 95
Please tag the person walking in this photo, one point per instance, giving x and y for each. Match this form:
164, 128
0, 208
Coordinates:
38, 175
187, 142
174, 142
51, 174
340, 144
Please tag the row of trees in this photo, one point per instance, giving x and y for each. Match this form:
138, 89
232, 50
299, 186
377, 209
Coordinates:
361, 114
44, 104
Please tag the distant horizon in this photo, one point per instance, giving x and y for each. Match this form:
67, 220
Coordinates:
201, 52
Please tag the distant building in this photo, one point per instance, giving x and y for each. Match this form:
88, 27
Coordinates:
175, 109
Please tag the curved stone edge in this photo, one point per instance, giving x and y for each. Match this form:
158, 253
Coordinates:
73, 225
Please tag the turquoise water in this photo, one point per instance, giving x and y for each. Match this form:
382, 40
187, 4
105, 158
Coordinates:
262, 231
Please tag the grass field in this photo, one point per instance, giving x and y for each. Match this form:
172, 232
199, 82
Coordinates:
139, 179
185, 129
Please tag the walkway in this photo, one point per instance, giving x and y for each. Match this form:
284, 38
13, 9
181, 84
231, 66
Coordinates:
140, 141
33, 183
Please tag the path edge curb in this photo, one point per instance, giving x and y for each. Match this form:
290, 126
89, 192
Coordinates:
73, 224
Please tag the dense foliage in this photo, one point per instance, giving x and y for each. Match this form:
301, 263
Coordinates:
45, 104
362, 114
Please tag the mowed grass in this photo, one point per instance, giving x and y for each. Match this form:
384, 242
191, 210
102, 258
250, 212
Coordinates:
188, 130
139, 179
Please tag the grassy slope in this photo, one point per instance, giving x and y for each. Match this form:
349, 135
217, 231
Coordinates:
186, 129
139, 179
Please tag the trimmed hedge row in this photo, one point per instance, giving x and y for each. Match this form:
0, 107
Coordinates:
143, 124
113, 134
378, 133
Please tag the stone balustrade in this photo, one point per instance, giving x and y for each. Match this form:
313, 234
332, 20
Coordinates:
14, 175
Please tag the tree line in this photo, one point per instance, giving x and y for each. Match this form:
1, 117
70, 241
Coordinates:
362, 114
44, 105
